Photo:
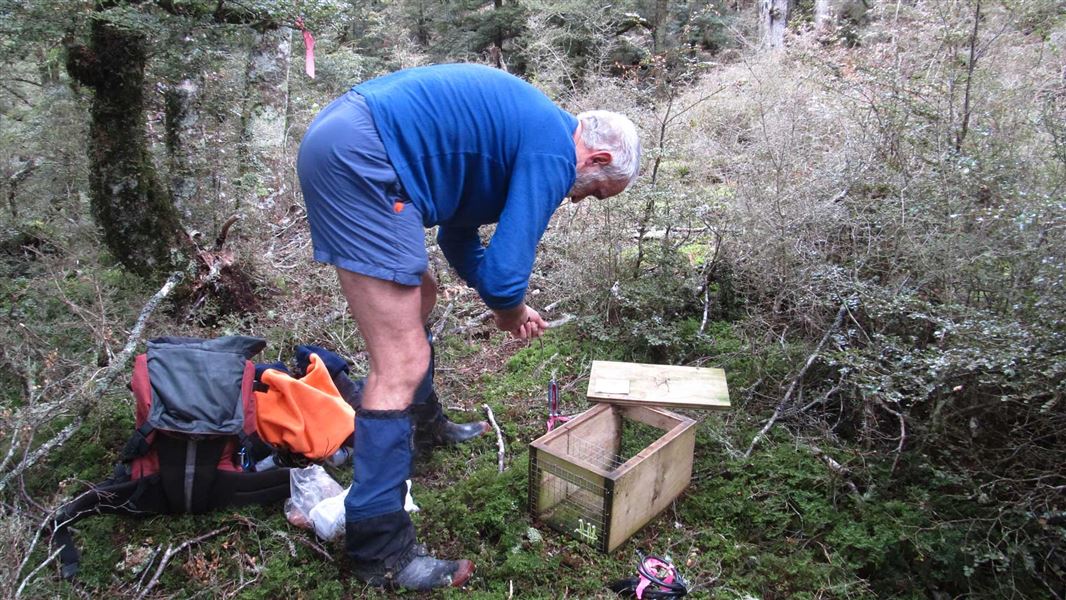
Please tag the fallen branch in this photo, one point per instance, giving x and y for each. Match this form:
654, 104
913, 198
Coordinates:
14, 442
50, 558
839, 469
33, 544
563, 320
555, 304
118, 365
312, 545
781, 406
148, 565
43, 450
442, 321
169, 554
472, 323
499, 436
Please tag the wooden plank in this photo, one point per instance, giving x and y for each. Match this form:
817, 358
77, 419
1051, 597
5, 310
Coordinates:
650, 481
670, 423
658, 385
590, 439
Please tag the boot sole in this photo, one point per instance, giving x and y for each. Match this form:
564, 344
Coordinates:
462, 573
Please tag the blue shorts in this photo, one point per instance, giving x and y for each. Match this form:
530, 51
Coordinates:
352, 195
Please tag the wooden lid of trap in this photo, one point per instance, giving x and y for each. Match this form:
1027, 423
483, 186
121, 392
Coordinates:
658, 385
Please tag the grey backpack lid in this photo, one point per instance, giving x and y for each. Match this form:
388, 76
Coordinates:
197, 384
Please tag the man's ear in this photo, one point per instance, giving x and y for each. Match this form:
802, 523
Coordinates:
601, 158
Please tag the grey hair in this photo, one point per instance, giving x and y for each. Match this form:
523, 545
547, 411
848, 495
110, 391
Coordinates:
603, 130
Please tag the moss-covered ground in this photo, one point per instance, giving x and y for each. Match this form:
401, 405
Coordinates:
777, 525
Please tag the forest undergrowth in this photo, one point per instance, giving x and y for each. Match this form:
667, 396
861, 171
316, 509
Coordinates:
864, 229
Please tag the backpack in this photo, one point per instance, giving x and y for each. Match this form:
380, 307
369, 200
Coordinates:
194, 443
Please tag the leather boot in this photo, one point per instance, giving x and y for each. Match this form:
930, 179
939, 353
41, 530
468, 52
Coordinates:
433, 428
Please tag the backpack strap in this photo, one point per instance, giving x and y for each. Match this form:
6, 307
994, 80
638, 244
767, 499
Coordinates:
138, 444
116, 498
147, 496
243, 489
140, 441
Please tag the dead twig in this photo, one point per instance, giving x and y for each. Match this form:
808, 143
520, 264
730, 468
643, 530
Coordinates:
43, 450
117, 366
563, 320
50, 558
148, 565
15, 431
311, 544
836, 467
442, 321
235, 592
169, 554
33, 544
781, 406
472, 323
555, 304
499, 436
224, 232
902, 432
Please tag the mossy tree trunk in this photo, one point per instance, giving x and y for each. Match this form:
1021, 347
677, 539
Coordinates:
185, 146
265, 116
140, 225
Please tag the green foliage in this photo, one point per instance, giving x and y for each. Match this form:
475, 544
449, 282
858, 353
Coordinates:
528, 371
499, 502
781, 524
980, 393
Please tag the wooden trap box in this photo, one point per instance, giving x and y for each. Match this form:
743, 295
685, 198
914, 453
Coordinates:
604, 474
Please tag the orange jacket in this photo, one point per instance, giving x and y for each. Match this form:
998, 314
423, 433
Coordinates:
305, 416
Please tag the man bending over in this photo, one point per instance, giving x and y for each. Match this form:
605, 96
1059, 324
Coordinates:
454, 146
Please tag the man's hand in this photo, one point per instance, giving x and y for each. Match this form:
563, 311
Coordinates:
521, 321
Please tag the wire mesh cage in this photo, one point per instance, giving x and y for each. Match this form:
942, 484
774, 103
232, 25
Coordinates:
603, 475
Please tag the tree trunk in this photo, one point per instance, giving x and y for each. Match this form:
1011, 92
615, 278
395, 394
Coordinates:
22, 170
185, 147
823, 15
659, 24
773, 18
139, 223
265, 121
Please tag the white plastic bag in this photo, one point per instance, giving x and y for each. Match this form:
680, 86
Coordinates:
328, 517
308, 487
317, 502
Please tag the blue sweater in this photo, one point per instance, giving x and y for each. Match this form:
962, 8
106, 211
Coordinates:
474, 145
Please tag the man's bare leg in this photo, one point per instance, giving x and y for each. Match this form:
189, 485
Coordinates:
380, 538
389, 316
